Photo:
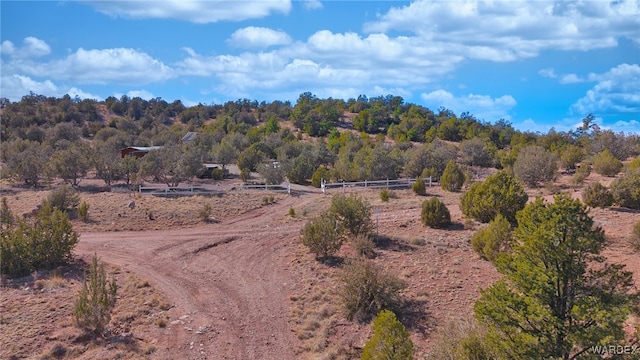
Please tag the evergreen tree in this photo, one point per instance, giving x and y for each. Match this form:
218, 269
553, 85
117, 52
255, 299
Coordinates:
96, 299
452, 178
558, 298
390, 340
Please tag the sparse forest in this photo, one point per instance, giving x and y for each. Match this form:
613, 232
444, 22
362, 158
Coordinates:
365, 138
556, 289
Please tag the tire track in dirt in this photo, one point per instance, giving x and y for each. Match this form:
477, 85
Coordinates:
237, 291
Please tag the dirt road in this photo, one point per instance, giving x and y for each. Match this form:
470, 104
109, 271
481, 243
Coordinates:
229, 282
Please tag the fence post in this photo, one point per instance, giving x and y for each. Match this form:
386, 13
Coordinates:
387, 183
322, 187
365, 184
430, 181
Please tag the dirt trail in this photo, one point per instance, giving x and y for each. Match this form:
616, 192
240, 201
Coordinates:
229, 284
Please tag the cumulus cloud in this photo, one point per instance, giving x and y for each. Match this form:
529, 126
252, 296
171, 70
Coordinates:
616, 91
570, 79
258, 37
197, 11
143, 94
32, 47
98, 66
14, 87
510, 30
481, 106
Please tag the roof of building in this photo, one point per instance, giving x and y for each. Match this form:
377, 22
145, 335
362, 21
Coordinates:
144, 148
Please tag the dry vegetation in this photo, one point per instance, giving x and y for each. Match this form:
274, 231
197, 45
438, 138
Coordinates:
442, 272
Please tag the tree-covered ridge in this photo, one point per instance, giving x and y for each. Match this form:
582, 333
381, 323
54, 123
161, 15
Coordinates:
364, 138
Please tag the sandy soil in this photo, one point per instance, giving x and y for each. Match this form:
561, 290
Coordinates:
245, 288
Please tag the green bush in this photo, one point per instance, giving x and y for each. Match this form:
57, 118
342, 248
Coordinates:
353, 212
596, 195
635, 237
6, 216
452, 178
367, 289
418, 187
205, 213
320, 173
384, 195
245, 174
96, 299
626, 190
489, 241
63, 198
364, 246
535, 165
292, 212
435, 214
604, 163
217, 174
323, 235
390, 340
581, 173
83, 211
45, 242
500, 193
571, 156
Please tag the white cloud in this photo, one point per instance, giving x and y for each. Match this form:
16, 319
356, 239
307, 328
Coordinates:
311, 4
481, 106
616, 91
197, 11
258, 37
510, 30
31, 47
118, 65
549, 73
14, 87
143, 94
570, 79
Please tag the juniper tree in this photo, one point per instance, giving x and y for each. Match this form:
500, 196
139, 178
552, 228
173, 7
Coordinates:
558, 297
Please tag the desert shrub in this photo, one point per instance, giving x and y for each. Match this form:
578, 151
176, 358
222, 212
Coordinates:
500, 193
635, 237
42, 243
384, 194
292, 212
205, 212
6, 216
597, 195
320, 174
435, 214
418, 187
363, 245
245, 174
323, 235
390, 340
474, 152
367, 289
353, 212
452, 178
83, 211
626, 190
581, 173
534, 165
431, 172
464, 340
96, 299
604, 163
217, 174
63, 198
571, 156
489, 241
633, 164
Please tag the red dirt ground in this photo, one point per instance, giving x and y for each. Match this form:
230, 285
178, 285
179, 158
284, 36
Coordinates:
245, 288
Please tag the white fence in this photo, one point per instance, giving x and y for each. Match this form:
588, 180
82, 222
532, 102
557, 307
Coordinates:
372, 184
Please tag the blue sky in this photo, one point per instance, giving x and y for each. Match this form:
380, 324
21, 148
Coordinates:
537, 64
